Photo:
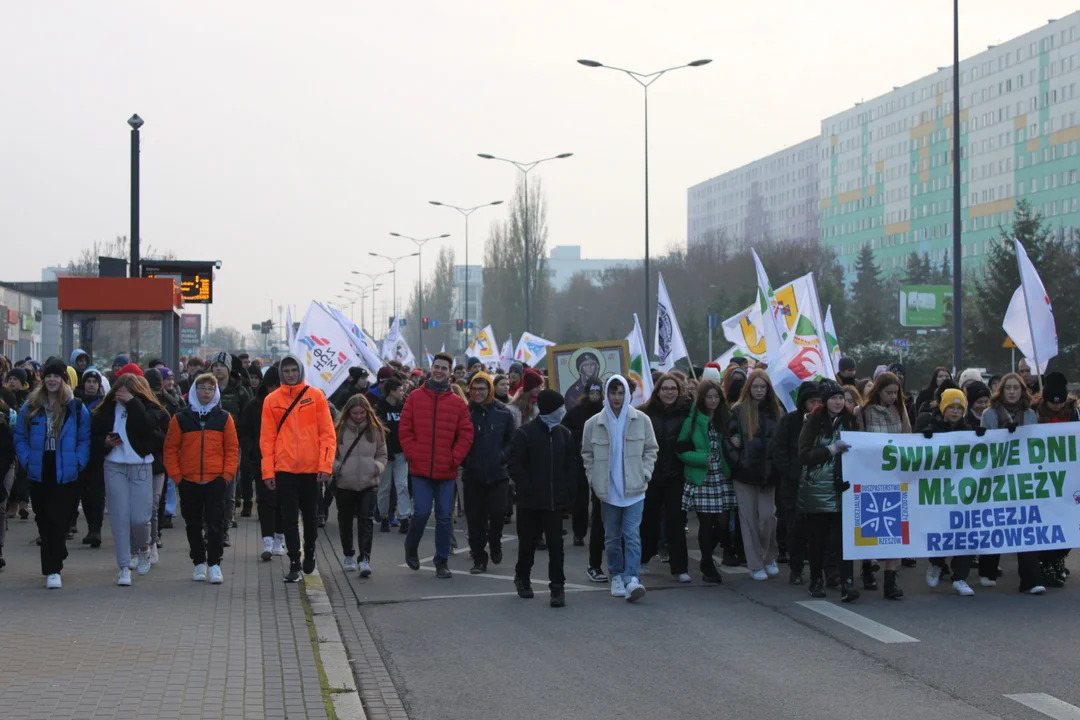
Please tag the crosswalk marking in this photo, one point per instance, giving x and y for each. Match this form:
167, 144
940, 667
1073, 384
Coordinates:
855, 621
1048, 705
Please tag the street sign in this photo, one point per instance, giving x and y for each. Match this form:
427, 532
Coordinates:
714, 321
900, 343
433, 323
924, 305
196, 279
1008, 344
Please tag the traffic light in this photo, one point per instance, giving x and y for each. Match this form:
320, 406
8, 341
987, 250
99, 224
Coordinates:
424, 323
460, 325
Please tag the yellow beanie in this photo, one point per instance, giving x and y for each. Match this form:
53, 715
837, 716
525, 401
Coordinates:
73, 377
952, 396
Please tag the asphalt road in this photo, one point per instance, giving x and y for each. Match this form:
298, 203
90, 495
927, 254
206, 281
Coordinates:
468, 647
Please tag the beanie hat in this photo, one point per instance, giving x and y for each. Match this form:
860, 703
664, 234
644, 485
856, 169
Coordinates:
952, 396
356, 372
897, 369
385, 373
516, 367
223, 358
807, 392
969, 375
120, 361
846, 363
828, 389
166, 373
548, 401
19, 373
72, 377
129, 369
1055, 388
711, 372
55, 366
976, 391
531, 379
472, 360
594, 384
153, 379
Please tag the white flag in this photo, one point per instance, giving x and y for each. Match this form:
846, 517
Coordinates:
531, 349
640, 371
1029, 321
767, 311
744, 330
363, 344
483, 346
290, 334
506, 357
801, 357
430, 357
668, 343
832, 344
395, 347
324, 347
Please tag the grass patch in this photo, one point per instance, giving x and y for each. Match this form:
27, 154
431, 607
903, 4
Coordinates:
324, 685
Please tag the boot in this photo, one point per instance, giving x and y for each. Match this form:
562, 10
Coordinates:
246, 510
24, 513
869, 582
93, 538
1050, 576
891, 591
558, 596
908, 562
523, 587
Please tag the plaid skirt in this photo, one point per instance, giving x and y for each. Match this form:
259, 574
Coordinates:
715, 495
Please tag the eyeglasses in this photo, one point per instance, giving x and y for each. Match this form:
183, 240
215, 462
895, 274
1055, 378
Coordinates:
669, 389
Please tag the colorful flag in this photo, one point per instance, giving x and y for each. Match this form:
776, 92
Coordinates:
483, 345
506, 357
325, 348
831, 342
362, 342
640, 371
767, 313
1029, 321
743, 329
801, 357
668, 343
395, 347
430, 357
531, 349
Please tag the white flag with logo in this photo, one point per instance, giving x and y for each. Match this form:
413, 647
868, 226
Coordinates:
506, 357
1029, 321
363, 344
668, 343
640, 371
395, 347
744, 329
326, 350
483, 346
801, 357
531, 349
766, 314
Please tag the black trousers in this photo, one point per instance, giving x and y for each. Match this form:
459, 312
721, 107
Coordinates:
326, 496
247, 483
596, 533
823, 532
709, 526
485, 513
663, 499
201, 502
269, 510
1027, 566
794, 539
91, 488
298, 495
530, 524
358, 504
53, 503
579, 518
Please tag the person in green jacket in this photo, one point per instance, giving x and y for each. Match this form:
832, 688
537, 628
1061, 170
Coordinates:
822, 482
707, 453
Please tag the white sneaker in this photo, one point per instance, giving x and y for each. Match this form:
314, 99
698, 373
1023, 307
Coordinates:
154, 554
963, 588
634, 590
933, 575
267, 548
365, 569
215, 575
123, 578
1037, 590
987, 582
683, 578
618, 589
143, 565
771, 570
279, 545
759, 575
350, 564
133, 561
53, 582
200, 573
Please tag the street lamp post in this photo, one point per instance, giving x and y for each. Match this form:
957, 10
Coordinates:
958, 223
372, 278
645, 80
352, 305
526, 168
420, 242
135, 122
364, 290
393, 263
466, 212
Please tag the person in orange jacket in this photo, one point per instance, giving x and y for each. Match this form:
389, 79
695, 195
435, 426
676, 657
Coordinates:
298, 445
201, 456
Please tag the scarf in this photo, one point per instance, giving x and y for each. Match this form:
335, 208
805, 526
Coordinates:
436, 386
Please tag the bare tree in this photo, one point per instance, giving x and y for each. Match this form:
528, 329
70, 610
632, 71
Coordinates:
86, 264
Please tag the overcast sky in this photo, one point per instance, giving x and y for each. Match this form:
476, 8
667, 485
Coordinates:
289, 139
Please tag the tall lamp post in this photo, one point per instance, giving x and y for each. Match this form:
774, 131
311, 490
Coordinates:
352, 305
466, 212
420, 242
958, 223
393, 263
526, 168
645, 80
372, 278
135, 122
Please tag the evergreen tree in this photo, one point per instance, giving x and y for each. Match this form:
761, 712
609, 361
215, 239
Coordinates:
868, 319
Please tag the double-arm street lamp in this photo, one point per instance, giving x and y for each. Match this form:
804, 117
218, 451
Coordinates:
645, 80
466, 212
420, 242
393, 263
372, 277
526, 168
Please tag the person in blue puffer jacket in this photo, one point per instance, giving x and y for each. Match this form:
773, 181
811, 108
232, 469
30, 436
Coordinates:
52, 441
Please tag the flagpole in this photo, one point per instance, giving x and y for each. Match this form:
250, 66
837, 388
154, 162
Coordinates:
1027, 309
819, 320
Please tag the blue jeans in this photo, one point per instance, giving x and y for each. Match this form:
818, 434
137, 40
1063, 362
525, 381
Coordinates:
622, 525
425, 493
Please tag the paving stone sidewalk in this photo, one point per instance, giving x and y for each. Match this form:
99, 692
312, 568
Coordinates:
166, 647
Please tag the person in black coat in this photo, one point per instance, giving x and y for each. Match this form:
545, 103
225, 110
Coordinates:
248, 431
784, 453
485, 478
590, 403
543, 465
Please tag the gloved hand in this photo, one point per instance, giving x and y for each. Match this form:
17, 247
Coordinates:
1011, 427
980, 431
845, 486
839, 447
928, 433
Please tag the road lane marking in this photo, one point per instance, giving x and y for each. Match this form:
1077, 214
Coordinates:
855, 621
538, 591
1048, 705
574, 586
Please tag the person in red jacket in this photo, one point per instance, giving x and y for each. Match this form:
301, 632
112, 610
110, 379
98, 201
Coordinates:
436, 433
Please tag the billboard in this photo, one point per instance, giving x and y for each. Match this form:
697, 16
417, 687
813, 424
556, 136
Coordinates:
190, 332
923, 306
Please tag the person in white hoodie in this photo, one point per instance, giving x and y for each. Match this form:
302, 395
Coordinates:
619, 449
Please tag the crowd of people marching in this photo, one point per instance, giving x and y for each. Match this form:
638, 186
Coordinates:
227, 435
